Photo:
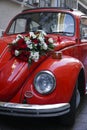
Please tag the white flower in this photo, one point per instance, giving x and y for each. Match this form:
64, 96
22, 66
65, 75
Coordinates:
34, 56
26, 39
14, 42
44, 46
17, 39
28, 42
19, 36
42, 32
41, 39
30, 46
32, 35
17, 53
50, 40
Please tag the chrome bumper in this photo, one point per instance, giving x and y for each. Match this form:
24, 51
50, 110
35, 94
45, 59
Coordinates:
15, 109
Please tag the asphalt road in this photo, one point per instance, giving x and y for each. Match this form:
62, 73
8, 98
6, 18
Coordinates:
9, 123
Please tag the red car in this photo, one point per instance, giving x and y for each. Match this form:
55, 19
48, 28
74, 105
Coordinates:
43, 67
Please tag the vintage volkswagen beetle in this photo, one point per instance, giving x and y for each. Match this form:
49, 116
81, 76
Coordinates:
52, 84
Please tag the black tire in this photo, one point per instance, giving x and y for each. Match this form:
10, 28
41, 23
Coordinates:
69, 118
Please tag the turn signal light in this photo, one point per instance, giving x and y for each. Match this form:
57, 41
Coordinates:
57, 55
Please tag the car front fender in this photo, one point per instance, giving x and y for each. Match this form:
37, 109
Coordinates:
65, 70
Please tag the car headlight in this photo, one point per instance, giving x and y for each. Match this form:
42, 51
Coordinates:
44, 82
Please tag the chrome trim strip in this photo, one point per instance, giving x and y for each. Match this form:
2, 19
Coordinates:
28, 106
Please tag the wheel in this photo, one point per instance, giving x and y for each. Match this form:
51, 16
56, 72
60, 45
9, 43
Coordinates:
77, 98
69, 118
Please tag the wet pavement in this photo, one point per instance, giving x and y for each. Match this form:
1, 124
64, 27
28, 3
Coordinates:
9, 123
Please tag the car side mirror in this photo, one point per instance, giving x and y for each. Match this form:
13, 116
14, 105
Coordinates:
1, 33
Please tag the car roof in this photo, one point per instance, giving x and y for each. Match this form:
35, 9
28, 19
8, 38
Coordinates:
74, 12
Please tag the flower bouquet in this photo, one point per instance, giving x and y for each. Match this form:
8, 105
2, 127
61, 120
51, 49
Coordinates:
30, 48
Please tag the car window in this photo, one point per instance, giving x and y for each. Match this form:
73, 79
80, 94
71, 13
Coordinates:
18, 26
83, 28
69, 24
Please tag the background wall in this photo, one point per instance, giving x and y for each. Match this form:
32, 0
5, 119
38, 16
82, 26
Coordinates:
8, 10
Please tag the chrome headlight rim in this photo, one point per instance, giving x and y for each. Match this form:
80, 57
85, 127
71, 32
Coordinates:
53, 78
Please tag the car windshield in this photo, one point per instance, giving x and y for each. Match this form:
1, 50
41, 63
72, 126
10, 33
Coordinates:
62, 23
